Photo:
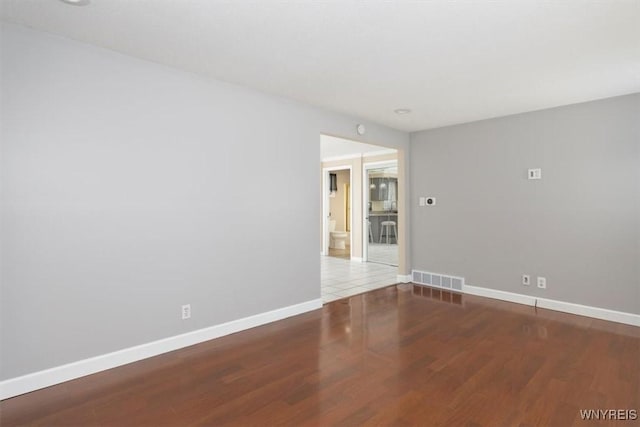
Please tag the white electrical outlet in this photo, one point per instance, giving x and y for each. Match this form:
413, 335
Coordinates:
421, 201
542, 282
526, 279
186, 311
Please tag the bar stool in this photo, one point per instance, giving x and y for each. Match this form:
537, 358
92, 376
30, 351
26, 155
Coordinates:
385, 227
370, 233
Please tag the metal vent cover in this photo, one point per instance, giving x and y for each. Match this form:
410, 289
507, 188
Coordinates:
437, 280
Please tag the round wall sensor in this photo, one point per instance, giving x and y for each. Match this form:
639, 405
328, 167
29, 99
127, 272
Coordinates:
360, 129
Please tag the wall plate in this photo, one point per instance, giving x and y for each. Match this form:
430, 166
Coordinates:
534, 173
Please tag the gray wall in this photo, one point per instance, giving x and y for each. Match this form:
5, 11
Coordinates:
579, 226
130, 188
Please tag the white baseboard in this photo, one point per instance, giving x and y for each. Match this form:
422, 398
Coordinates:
566, 307
403, 278
37, 380
356, 259
501, 295
585, 310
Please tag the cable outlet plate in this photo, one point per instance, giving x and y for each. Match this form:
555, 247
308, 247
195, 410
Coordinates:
534, 173
526, 279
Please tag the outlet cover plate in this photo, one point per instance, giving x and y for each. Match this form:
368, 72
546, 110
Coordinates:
542, 282
186, 311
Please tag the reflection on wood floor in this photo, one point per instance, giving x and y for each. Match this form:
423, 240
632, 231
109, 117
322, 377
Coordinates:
401, 355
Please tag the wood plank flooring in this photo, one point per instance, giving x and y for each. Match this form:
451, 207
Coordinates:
403, 355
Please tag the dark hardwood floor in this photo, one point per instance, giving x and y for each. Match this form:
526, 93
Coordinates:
403, 355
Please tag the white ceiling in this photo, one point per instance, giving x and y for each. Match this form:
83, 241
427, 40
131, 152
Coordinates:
332, 148
450, 62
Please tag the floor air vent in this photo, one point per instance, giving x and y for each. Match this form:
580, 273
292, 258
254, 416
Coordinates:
438, 280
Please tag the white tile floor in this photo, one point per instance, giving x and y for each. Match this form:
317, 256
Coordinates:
382, 252
342, 278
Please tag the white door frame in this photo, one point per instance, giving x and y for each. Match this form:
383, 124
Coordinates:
365, 201
325, 206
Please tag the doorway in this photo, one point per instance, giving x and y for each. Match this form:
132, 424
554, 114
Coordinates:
337, 212
341, 276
